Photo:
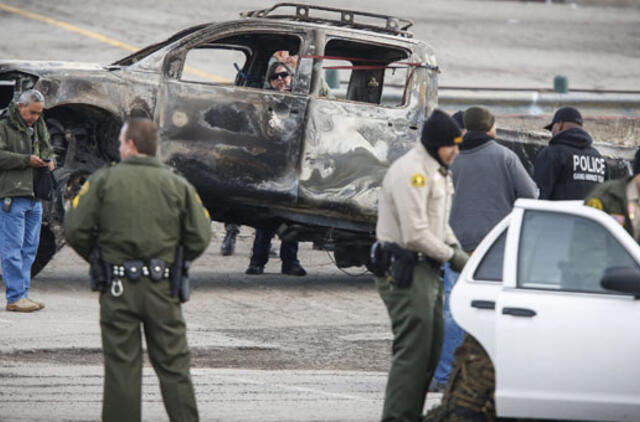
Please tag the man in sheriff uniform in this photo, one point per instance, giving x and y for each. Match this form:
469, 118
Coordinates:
413, 216
139, 212
621, 199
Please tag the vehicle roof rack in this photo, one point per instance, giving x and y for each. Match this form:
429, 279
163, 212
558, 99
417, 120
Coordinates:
342, 17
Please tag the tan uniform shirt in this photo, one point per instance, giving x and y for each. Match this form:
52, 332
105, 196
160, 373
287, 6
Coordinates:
414, 205
633, 208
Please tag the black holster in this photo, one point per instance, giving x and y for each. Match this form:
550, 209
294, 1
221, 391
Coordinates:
179, 279
403, 262
99, 272
380, 260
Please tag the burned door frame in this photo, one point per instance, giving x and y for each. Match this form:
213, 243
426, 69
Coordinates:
233, 142
349, 145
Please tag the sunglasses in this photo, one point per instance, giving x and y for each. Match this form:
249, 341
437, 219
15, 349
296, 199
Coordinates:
282, 75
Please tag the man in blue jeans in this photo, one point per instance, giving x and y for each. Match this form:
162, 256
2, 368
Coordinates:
24, 146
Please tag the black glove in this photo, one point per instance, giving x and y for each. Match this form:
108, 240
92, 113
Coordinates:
458, 259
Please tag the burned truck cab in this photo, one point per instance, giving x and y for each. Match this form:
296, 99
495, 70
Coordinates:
308, 162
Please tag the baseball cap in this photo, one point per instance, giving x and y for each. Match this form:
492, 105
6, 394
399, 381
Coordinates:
565, 114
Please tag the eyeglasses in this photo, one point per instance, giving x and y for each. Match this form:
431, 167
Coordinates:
282, 75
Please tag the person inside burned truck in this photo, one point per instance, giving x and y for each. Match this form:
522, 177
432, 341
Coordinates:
414, 240
279, 77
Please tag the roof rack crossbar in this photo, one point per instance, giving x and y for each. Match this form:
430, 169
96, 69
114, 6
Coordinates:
347, 18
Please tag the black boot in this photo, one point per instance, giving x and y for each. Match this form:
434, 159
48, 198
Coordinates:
229, 243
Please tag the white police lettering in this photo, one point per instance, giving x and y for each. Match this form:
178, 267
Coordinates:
589, 168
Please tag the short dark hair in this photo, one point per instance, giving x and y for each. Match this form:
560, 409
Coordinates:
144, 133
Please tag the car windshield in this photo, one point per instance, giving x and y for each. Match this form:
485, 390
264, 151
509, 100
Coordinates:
146, 51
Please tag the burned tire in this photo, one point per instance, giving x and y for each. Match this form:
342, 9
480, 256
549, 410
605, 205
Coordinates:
83, 138
46, 250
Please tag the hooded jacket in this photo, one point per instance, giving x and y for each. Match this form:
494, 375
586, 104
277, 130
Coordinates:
16, 147
569, 167
487, 179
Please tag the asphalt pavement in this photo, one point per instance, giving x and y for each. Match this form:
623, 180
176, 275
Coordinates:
264, 348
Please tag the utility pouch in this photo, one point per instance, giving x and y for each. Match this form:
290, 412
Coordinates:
133, 269
156, 269
99, 272
403, 262
380, 260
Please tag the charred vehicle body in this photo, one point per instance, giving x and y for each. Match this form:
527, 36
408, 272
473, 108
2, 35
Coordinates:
304, 162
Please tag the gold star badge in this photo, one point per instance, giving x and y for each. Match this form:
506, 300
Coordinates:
418, 180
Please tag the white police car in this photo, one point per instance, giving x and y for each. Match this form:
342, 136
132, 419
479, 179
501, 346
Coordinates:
563, 346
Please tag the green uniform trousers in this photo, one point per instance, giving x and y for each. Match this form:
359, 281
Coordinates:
416, 322
149, 303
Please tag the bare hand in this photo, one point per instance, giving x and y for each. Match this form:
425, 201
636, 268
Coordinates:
35, 161
52, 165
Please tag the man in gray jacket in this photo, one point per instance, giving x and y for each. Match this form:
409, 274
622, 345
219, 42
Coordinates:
487, 178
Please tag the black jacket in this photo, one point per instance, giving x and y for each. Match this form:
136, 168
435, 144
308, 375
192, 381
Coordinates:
569, 167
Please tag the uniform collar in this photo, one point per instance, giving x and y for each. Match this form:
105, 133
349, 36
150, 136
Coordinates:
430, 163
144, 160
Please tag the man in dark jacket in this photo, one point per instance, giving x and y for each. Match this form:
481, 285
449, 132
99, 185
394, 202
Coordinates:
569, 167
24, 146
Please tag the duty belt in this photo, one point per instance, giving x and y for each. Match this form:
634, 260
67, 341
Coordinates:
156, 270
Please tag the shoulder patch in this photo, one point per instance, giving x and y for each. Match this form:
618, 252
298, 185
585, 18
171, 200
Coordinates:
418, 180
595, 203
83, 191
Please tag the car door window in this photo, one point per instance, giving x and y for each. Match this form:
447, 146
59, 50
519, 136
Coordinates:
213, 65
367, 72
240, 59
566, 252
490, 268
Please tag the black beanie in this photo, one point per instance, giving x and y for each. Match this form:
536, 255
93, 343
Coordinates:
636, 163
440, 130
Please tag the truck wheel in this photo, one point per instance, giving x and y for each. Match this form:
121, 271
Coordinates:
46, 250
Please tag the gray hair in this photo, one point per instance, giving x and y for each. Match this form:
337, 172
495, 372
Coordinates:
30, 96
275, 65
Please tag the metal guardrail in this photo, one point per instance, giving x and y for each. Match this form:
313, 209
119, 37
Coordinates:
536, 102
532, 102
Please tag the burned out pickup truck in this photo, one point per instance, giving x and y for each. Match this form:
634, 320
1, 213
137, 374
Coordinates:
307, 162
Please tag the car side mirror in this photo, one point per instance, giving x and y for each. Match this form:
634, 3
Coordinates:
622, 279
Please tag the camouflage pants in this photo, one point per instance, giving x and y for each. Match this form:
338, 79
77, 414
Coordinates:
468, 396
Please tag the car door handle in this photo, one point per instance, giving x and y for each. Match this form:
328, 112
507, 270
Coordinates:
483, 304
521, 312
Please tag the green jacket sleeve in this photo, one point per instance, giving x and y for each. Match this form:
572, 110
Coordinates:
11, 160
196, 225
81, 219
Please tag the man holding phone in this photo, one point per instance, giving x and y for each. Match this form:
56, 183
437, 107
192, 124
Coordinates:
24, 146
